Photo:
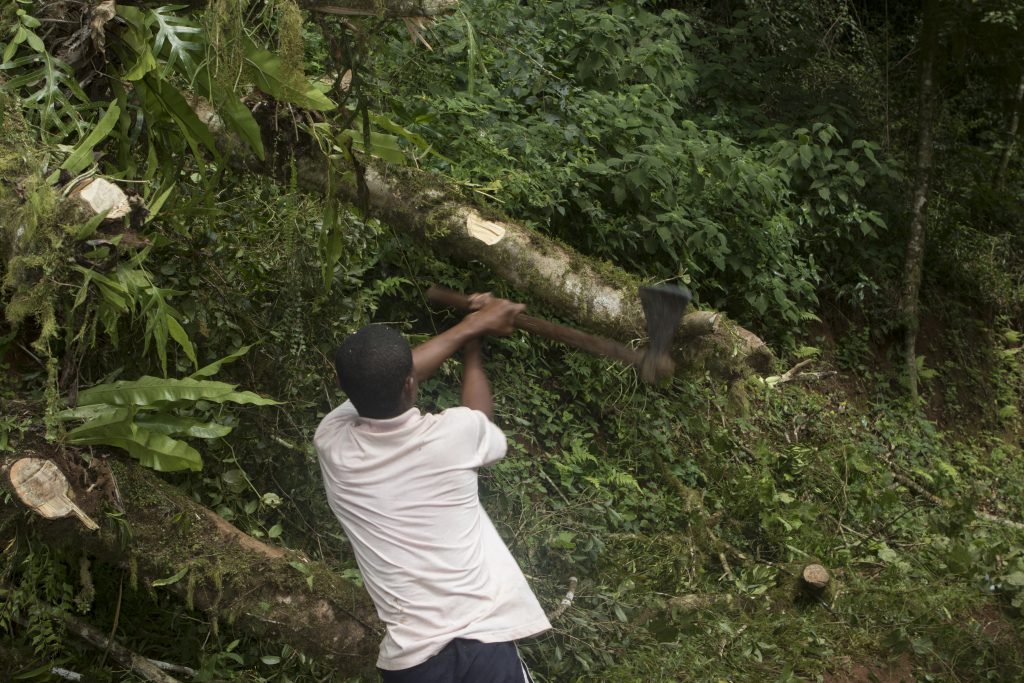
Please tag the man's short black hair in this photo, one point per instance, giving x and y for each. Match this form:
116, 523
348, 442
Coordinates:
372, 367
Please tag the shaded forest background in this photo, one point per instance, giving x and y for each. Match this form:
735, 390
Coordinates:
841, 178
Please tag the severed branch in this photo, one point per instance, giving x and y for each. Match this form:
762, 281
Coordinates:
795, 374
141, 666
920, 490
566, 601
148, 669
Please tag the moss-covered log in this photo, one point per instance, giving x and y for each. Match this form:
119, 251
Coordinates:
382, 8
595, 294
271, 592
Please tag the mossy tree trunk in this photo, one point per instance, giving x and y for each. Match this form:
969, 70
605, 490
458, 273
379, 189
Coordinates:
594, 294
276, 594
382, 8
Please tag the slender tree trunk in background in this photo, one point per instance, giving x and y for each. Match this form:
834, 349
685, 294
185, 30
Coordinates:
914, 262
1011, 135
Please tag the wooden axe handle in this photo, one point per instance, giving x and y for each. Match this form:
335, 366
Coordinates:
591, 343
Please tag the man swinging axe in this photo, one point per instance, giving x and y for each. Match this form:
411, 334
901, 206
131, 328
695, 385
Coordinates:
404, 487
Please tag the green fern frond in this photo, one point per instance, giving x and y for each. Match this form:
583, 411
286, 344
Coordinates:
177, 40
49, 89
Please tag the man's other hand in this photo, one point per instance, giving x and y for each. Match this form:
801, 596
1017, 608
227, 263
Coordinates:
492, 315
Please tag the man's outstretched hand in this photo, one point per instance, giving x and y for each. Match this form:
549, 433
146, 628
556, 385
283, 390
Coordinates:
491, 315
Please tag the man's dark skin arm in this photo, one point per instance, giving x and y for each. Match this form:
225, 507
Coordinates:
476, 390
490, 316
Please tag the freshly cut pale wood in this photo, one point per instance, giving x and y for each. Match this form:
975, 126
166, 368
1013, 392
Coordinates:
43, 487
488, 232
97, 195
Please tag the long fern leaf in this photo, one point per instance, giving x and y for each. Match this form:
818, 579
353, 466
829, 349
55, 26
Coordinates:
147, 391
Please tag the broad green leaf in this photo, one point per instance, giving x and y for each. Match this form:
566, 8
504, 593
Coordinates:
157, 390
383, 146
275, 79
34, 41
35, 674
418, 140
160, 96
163, 194
238, 117
179, 335
113, 292
12, 47
86, 412
171, 579
133, 16
145, 63
235, 479
331, 242
176, 425
89, 227
157, 451
112, 421
214, 367
231, 109
81, 157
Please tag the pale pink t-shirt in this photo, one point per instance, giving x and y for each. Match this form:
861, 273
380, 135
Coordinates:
405, 492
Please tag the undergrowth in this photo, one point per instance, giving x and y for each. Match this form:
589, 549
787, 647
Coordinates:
641, 134
685, 522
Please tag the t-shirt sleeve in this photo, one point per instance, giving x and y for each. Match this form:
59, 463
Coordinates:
333, 422
487, 441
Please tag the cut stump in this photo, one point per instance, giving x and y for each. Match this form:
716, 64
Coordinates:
815, 577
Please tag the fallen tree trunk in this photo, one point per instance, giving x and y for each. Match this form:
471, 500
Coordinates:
271, 592
382, 8
595, 294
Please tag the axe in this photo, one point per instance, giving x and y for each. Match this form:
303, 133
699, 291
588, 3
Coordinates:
663, 305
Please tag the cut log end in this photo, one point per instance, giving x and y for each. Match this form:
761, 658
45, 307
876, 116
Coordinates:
42, 487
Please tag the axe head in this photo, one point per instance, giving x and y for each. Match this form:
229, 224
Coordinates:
664, 306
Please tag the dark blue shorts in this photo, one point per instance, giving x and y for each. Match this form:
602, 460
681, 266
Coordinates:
466, 661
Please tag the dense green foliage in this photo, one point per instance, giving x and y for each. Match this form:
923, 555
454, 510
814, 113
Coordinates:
760, 151
620, 132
